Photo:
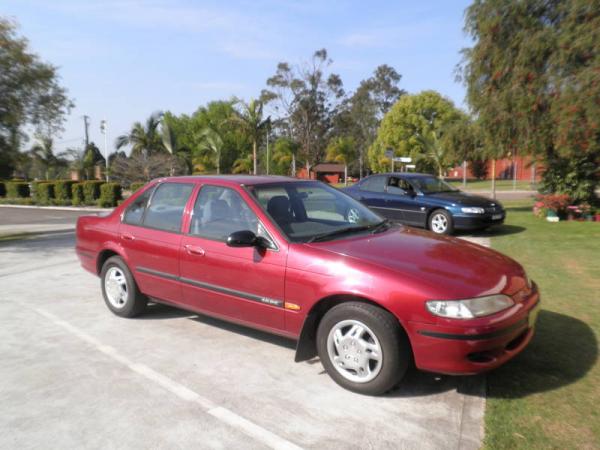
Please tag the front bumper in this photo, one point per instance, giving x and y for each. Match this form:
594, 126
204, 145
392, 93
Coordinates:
477, 221
477, 345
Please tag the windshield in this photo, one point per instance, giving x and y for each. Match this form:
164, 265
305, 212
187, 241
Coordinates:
311, 211
431, 185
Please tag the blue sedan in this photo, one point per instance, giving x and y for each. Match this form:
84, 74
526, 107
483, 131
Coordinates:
426, 201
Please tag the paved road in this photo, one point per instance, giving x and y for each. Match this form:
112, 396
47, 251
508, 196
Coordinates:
73, 375
27, 220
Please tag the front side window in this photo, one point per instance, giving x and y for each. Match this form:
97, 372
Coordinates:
165, 211
135, 211
432, 185
310, 211
220, 211
398, 186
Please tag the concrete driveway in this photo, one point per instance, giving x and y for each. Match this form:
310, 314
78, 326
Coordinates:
73, 375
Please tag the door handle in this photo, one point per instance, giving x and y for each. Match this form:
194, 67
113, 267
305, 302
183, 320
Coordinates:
127, 237
193, 250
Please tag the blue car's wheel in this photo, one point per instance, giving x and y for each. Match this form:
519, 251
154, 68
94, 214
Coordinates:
440, 222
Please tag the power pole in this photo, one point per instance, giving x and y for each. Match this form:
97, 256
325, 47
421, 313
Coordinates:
86, 125
104, 131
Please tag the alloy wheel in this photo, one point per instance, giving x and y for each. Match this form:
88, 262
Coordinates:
354, 351
439, 223
115, 286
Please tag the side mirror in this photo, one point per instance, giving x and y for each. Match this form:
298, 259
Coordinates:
243, 238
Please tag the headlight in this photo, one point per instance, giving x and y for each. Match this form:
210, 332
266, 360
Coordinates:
471, 308
473, 210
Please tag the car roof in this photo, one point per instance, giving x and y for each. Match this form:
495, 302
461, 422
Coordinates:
247, 180
405, 174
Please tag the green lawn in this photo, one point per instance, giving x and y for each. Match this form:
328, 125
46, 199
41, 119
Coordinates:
486, 185
549, 396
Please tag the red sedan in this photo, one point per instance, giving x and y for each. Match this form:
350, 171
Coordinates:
306, 261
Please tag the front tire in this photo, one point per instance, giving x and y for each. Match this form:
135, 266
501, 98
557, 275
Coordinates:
363, 348
120, 290
440, 222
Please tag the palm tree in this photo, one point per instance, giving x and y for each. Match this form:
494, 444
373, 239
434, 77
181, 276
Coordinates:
252, 122
143, 139
342, 150
243, 165
211, 142
434, 151
43, 156
284, 155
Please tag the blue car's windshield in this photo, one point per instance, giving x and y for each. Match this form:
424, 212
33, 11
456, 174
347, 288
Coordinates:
431, 185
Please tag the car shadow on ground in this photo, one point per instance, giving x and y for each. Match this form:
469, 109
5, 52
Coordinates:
563, 350
498, 230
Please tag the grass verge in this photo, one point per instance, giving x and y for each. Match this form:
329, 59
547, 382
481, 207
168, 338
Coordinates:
549, 396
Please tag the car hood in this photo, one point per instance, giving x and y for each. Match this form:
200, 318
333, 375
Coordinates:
450, 267
462, 198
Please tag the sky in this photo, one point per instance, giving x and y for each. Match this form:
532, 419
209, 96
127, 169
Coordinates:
121, 60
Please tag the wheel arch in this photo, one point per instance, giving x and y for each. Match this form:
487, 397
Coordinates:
306, 347
103, 256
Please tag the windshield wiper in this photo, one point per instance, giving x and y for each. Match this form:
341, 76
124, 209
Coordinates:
341, 231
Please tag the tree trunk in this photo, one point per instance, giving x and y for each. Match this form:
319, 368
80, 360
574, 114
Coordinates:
493, 178
464, 174
360, 165
254, 155
346, 174
293, 164
218, 163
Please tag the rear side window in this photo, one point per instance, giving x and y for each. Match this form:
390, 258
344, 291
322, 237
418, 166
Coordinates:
135, 212
165, 211
373, 184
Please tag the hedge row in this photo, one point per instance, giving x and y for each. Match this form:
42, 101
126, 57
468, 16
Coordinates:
63, 192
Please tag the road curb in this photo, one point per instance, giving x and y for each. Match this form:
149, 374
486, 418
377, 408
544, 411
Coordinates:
59, 208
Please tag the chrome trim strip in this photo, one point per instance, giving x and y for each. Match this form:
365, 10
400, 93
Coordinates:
213, 287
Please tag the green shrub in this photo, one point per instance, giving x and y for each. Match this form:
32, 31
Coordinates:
110, 194
44, 193
2, 189
62, 191
136, 186
77, 194
91, 191
17, 189
17, 201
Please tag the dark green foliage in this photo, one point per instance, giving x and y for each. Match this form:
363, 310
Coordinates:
573, 176
533, 82
30, 95
77, 194
91, 191
110, 194
44, 193
62, 190
479, 169
2, 189
136, 186
17, 189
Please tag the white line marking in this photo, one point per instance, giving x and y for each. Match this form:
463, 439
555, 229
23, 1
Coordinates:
223, 414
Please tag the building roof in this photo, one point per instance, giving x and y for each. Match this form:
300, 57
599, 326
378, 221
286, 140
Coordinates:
328, 167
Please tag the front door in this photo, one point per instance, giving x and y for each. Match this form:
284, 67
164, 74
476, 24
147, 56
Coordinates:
403, 197
245, 284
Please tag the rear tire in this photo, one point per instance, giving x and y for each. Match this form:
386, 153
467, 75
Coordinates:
363, 348
440, 222
119, 289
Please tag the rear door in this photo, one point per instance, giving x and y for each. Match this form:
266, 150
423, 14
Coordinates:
150, 235
244, 284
